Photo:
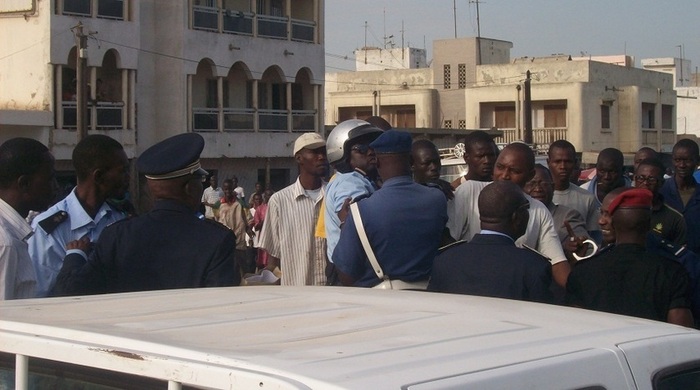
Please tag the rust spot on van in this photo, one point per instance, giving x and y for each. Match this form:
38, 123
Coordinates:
123, 354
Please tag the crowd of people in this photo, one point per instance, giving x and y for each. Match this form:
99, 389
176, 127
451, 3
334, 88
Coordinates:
509, 228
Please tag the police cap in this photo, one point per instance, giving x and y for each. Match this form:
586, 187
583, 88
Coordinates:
392, 141
173, 157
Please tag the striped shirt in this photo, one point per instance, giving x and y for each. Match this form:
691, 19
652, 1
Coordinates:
17, 276
288, 234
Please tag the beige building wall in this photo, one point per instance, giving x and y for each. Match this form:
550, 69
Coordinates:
585, 86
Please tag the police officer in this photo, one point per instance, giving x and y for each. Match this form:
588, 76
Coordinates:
168, 247
403, 221
490, 264
102, 172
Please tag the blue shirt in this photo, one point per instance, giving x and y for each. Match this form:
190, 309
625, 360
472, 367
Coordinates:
404, 222
48, 250
343, 186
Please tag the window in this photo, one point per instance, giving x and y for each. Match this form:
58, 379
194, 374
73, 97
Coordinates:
462, 75
648, 120
554, 115
504, 117
684, 377
462, 124
446, 77
605, 116
447, 124
666, 116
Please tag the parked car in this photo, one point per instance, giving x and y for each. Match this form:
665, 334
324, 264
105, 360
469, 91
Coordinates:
333, 338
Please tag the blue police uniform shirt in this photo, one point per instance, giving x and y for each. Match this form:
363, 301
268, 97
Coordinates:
47, 250
343, 186
404, 222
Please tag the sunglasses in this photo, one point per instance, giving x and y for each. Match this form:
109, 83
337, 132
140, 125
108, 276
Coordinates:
360, 148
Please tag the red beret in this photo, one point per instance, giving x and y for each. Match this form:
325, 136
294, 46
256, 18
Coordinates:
636, 198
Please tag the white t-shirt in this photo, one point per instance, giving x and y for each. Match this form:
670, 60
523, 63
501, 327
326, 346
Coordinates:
464, 223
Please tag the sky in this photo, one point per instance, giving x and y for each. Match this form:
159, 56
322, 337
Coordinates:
640, 28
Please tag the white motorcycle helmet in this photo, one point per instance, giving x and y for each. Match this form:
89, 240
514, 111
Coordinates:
337, 144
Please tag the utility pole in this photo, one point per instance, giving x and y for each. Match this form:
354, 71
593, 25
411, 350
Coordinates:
527, 133
81, 91
478, 33
454, 13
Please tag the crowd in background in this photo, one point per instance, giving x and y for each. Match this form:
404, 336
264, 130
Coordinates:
508, 228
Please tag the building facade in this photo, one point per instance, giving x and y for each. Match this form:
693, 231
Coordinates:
593, 102
246, 74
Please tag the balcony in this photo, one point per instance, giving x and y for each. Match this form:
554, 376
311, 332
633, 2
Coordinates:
303, 120
109, 115
303, 30
205, 119
238, 22
272, 26
272, 120
110, 9
542, 137
106, 9
239, 119
206, 18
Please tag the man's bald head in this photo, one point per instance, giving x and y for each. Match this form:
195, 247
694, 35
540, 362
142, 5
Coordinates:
503, 208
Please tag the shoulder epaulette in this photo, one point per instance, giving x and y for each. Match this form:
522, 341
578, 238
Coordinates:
535, 251
450, 245
50, 223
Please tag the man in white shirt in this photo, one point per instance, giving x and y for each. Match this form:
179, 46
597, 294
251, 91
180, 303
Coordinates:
288, 233
27, 182
515, 163
211, 199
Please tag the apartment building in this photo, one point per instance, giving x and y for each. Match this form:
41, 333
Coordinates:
593, 102
246, 74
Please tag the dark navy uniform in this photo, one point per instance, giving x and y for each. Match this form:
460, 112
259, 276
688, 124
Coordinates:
168, 247
491, 265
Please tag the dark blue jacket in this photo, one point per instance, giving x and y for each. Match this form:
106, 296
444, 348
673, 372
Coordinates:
168, 247
491, 265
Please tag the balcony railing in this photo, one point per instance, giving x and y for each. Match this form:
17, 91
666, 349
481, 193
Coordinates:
303, 30
272, 26
110, 9
540, 136
239, 119
272, 120
109, 115
77, 7
206, 18
106, 9
205, 119
243, 120
303, 120
238, 22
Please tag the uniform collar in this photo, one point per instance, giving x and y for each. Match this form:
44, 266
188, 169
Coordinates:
79, 217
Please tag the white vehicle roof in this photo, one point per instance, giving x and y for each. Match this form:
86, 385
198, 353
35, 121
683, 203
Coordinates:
309, 337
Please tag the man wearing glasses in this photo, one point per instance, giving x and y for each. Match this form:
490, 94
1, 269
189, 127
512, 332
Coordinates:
356, 165
666, 221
